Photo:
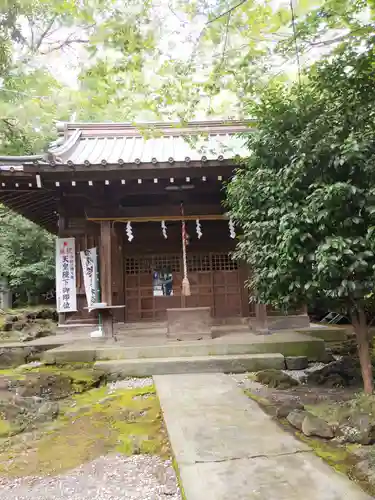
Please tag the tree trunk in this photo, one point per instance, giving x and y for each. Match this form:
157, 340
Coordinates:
363, 344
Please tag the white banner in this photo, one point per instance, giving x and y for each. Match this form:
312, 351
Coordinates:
66, 296
90, 275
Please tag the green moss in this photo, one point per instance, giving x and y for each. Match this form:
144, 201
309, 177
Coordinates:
13, 373
338, 457
334, 412
5, 428
261, 401
178, 476
82, 375
91, 424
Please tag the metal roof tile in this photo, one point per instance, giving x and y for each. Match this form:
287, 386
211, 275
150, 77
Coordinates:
93, 144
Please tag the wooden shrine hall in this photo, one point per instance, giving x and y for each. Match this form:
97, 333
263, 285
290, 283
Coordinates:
150, 198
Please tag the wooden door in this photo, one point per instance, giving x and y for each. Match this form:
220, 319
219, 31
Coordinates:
214, 282
226, 285
141, 303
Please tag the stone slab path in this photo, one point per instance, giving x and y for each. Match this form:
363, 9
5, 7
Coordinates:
227, 448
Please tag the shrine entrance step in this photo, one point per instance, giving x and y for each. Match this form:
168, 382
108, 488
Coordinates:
193, 364
145, 347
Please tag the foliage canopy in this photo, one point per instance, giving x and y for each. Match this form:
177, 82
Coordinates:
26, 256
305, 197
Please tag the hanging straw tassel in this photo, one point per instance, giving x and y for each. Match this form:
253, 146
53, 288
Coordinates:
185, 287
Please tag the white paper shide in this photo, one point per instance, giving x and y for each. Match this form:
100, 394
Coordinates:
89, 261
66, 296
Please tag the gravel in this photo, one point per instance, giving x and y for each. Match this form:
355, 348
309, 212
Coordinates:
130, 383
111, 477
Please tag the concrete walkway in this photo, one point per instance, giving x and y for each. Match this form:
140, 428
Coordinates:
227, 448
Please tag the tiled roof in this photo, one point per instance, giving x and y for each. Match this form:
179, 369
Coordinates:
148, 143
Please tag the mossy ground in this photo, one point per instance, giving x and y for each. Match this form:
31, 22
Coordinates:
335, 412
178, 476
92, 422
341, 457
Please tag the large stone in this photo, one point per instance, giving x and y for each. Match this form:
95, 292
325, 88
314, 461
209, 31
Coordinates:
364, 471
276, 379
296, 418
189, 323
296, 362
288, 322
315, 426
12, 356
284, 410
344, 372
46, 385
357, 428
48, 411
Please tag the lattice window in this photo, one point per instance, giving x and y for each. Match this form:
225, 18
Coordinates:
137, 265
199, 262
170, 262
144, 264
223, 262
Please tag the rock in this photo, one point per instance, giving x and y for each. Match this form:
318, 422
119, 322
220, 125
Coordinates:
275, 379
19, 325
11, 318
334, 380
12, 357
296, 362
328, 357
4, 384
315, 426
344, 372
346, 348
46, 385
48, 411
284, 410
42, 333
364, 471
296, 417
30, 316
357, 428
29, 366
46, 314
26, 338
8, 326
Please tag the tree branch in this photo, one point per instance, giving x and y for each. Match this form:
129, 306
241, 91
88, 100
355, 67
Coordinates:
182, 21
225, 40
45, 33
66, 43
229, 11
323, 43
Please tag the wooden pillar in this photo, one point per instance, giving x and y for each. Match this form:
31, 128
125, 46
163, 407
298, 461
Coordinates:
61, 229
118, 280
106, 262
106, 275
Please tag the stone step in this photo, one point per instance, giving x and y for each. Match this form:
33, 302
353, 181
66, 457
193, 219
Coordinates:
192, 364
287, 344
122, 332
142, 325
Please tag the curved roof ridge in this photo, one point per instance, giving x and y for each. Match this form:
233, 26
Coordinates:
195, 125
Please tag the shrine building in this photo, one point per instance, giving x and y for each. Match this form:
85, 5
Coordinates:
150, 199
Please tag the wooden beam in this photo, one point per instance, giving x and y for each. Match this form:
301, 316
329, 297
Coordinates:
106, 261
159, 218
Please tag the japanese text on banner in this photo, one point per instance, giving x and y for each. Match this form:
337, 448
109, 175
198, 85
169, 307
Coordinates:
66, 297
